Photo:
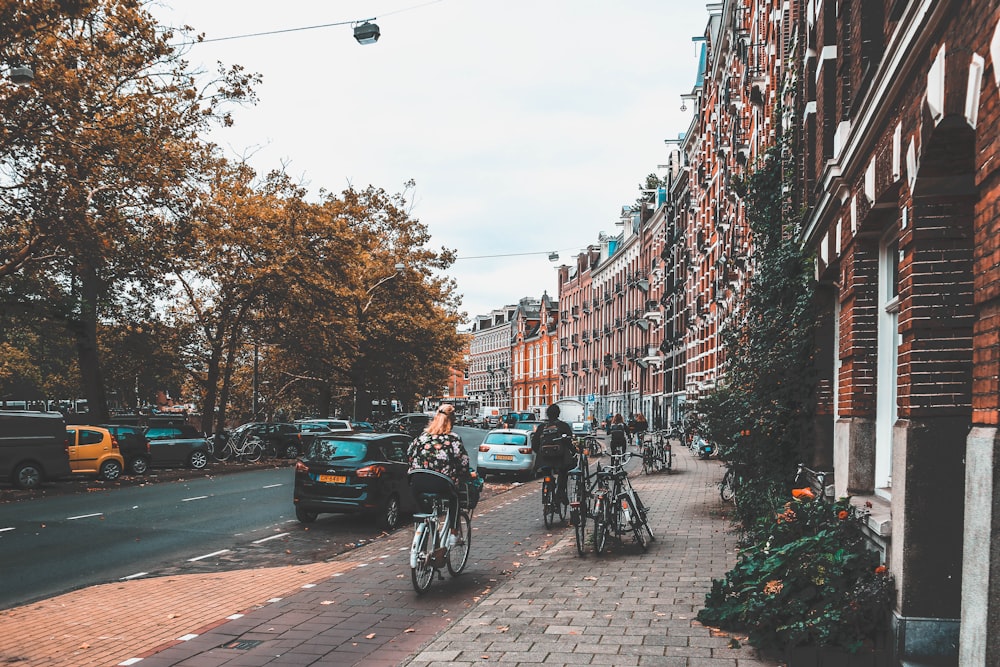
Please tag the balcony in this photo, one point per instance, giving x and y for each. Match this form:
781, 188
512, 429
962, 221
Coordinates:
575, 340
564, 343
575, 311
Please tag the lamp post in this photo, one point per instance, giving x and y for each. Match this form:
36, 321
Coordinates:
626, 381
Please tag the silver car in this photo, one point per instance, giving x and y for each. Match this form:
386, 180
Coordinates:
506, 451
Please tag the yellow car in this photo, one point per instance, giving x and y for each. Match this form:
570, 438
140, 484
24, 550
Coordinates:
93, 450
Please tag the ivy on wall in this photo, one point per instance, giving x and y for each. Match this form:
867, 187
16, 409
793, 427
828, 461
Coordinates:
761, 416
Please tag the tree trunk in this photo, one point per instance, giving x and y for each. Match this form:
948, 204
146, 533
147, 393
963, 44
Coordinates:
208, 420
91, 377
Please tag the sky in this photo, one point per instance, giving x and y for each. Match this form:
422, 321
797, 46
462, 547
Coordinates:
525, 125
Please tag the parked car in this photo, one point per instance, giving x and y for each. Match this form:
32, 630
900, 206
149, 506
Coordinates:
32, 447
133, 445
324, 425
363, 472
581, 428
506, 451
412, 423
180, 445
279, 438
93, 450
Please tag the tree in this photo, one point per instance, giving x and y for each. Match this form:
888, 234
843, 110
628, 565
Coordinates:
97, 156
761, 416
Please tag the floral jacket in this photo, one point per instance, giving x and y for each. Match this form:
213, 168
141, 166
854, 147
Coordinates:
443, 453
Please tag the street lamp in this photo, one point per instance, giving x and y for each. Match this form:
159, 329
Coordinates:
626, 380
366, 33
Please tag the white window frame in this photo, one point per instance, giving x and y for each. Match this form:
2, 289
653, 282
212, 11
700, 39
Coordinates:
887, 407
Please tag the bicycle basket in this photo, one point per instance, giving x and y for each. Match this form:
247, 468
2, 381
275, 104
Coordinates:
468, 495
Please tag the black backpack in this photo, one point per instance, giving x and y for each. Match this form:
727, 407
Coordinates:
618, 439
551, 440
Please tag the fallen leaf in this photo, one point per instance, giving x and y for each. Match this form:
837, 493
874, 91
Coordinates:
516, 564
328, 602
503, 628
370, 635
590, 578
484, 657
409, 630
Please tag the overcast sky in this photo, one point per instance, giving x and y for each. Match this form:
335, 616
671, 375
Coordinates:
526, 125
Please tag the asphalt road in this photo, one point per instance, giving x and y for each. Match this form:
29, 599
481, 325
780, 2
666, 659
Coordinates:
79, 533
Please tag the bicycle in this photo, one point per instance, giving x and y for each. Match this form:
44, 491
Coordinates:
730, 484
591, 444
581, 498
240, 447
657, 453
430, 550
552, 504
618, 509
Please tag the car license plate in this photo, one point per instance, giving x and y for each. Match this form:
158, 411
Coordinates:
504, 457
332, 479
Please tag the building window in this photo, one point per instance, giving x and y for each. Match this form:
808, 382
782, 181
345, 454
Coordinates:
886, 411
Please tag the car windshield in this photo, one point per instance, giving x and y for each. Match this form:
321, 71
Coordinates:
337, 450
526, 426
505, 439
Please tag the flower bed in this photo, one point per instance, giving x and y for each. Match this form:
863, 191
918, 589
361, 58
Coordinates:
813, 582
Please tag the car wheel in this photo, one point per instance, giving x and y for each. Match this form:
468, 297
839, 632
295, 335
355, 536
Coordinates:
198, 459
110, 470
291, 451
28, 476
305, 516
139, 465
388, 517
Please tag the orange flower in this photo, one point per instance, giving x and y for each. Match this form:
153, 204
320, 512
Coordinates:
773, 587
803, 493
842, 514
881, 569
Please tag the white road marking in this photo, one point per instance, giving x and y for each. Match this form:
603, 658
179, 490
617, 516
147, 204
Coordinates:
4, 530
271, 486
184, 500
84, 516
134, 576
272, 537
214, 553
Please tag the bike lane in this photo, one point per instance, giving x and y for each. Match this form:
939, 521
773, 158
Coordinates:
368, 612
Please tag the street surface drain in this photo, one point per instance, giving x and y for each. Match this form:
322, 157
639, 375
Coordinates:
243, 644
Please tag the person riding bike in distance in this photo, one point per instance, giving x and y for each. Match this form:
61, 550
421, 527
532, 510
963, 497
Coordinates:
619, 434
441, 450
555, 430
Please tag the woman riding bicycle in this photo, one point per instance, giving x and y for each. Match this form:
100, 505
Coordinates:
440, 450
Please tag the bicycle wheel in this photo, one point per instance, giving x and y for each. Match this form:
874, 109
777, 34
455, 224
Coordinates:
602, 525
223, 453
458, 555
726, 489
255, 452
581, 531
648, 460
642, 516
549, 500
421, 570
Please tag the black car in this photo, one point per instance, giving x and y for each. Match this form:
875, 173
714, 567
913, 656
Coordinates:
280, 439
133, 446
412, 423
364, 472
180, 445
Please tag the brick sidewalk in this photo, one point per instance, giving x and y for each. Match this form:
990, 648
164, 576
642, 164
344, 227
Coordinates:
526, 598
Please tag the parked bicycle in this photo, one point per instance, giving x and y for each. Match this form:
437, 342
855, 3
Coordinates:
730, 483
581, 488
617, 509
590, 444
240, 447
657, 453
431, 549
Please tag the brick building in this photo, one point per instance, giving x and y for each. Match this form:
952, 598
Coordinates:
489, 358
535, 355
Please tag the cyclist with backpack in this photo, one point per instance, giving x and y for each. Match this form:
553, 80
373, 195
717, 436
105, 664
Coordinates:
619, 434
552, 441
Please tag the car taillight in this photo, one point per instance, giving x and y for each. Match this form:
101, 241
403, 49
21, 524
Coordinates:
370, 471
484, 448
301, 467
114, 442
524, 450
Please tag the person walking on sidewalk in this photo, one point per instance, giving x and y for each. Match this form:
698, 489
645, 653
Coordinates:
440, 450
555, 431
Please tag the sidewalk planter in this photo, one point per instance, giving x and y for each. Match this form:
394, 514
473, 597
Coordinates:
812, 656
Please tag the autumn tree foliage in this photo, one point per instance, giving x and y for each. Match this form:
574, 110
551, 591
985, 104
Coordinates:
95, 160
